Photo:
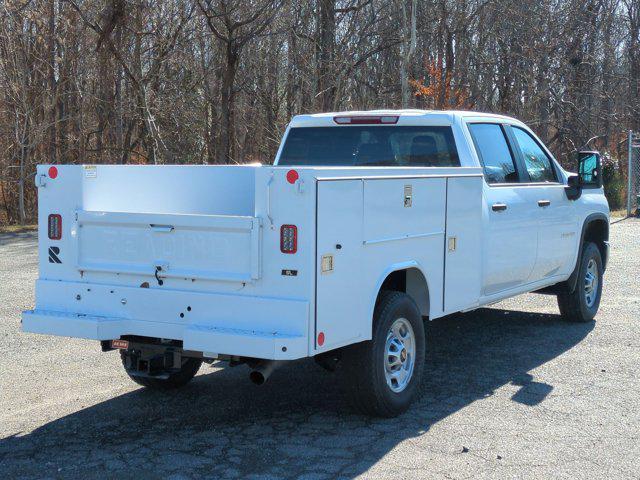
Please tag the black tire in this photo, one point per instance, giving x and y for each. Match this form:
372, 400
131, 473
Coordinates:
190, 367
363, 364
574, 306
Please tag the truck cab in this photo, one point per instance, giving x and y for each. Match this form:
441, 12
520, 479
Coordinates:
531, 228
366, 225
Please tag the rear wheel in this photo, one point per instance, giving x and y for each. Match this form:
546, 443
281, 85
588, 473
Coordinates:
582, 304
381, 377
176, 379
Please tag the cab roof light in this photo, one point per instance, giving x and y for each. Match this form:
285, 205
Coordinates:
366, 120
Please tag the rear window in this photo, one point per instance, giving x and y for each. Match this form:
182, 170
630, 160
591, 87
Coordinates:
362, 146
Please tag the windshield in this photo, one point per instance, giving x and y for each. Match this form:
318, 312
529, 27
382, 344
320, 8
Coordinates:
361, 146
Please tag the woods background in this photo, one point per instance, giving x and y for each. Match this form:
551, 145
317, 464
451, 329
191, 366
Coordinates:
210, 81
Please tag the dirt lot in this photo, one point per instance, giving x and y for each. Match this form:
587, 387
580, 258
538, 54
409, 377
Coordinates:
509, 392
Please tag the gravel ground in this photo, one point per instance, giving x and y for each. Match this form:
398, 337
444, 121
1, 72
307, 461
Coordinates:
509, 392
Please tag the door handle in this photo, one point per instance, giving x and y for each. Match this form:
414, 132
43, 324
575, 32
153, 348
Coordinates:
499, 207
544, 203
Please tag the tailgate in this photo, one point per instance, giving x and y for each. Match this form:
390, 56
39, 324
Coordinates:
203, 247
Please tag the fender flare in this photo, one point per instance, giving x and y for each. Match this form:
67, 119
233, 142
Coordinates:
395, 267
573, 278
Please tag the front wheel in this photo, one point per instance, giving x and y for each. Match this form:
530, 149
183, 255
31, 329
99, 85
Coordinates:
582, 304
381, 377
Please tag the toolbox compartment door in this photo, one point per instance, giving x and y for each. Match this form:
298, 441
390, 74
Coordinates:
191, 247
463, 245
339, 295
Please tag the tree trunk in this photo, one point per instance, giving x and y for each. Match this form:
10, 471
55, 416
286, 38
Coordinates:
53, 86
292, 77
325, 52
102, 103
633, 51
227, 98
157, 149
5, 202
119, 103
409, 49
24, 156
542, 86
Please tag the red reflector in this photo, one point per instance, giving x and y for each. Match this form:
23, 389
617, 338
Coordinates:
321, 338
368, 120
53, 172
121, 344
288, 239
55, 226
292, 176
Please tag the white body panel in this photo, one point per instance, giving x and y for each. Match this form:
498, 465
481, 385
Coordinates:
511, 238
192, 253
463, 264
203, 247
340, 215
558, 229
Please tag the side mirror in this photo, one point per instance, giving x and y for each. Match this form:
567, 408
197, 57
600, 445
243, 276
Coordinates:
589, 175
573, 190
590, 169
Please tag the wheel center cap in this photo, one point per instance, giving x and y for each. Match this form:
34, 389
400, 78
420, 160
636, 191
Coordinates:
589, 284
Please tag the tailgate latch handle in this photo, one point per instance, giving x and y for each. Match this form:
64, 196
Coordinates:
160, 266
161, 228
156, 272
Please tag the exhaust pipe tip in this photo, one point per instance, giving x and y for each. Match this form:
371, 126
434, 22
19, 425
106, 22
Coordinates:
263, 371
257, 377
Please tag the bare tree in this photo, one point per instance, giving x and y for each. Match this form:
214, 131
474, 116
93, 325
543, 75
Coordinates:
234, 26
216, 81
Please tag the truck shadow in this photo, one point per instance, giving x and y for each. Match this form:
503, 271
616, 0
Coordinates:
222, 426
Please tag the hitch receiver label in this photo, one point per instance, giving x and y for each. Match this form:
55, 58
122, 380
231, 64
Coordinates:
121, 344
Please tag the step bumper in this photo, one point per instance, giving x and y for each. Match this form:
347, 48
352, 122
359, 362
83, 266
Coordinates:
210, 340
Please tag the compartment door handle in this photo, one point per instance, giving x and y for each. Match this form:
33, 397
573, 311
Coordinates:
161, 228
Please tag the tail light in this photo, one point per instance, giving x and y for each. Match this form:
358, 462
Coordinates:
288, 239
55, 226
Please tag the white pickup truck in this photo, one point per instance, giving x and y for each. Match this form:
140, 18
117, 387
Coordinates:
367, 224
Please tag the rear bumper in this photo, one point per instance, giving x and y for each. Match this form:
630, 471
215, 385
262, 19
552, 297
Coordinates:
247, 326
207, 339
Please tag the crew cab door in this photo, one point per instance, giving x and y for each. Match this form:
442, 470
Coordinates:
510, 238
557, 223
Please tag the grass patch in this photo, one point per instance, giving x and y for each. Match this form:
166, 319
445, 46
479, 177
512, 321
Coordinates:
619, 213
18, 228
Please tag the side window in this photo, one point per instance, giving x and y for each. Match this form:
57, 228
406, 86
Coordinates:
424, 146
494, 152
536, 161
